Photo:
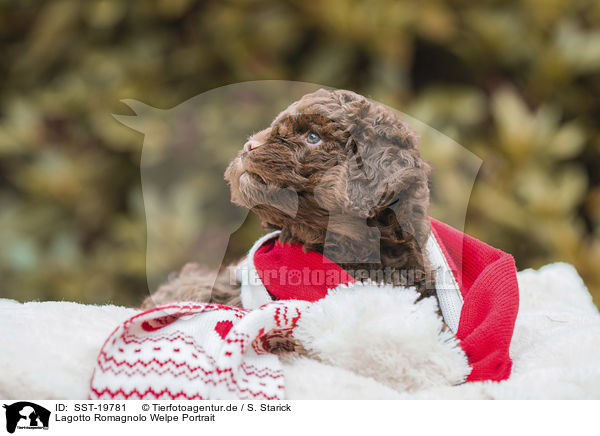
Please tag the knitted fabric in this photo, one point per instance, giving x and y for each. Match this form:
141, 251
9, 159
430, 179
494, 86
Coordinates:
197, 351
486, 277
290, 273
209, 351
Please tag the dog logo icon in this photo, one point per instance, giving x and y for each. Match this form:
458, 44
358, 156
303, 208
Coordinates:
26, 415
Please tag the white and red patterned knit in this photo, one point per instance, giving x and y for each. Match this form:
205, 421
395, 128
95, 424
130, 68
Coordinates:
196, 351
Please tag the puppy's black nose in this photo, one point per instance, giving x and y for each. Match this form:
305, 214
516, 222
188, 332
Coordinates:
251, 145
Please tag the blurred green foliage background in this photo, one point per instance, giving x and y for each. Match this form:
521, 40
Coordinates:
515, 82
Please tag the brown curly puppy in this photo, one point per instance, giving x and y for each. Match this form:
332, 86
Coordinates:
353, 165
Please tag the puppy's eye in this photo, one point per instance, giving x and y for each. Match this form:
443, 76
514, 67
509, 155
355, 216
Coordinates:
313, 138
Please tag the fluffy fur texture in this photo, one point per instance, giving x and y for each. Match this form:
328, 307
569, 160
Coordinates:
555, 348
49, 349
419, 352
364, 173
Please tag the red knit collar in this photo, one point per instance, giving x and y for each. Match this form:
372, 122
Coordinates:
289, 272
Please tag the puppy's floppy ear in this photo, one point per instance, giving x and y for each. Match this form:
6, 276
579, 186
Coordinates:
384, 165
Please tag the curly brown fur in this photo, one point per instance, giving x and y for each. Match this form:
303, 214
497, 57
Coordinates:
194, 282
366, 171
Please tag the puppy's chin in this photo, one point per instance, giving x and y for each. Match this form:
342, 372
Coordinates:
244, 187
233, 174
251, 190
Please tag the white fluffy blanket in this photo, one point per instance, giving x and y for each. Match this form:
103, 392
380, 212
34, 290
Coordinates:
388, 348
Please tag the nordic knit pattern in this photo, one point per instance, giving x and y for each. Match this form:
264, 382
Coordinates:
209, 351
197, 351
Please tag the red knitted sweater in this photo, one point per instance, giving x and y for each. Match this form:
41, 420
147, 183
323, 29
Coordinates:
486, 278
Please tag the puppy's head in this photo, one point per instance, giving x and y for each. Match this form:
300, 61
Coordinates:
344, 156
